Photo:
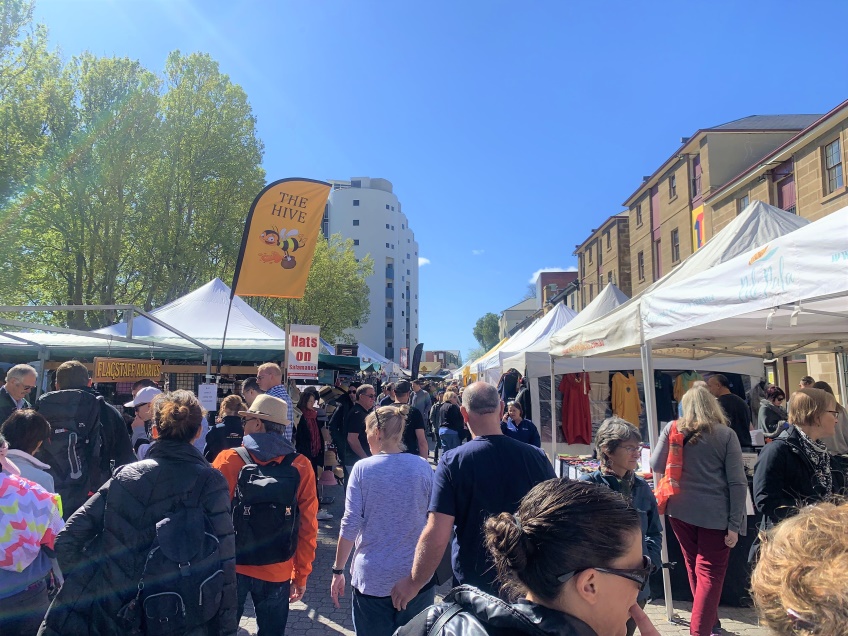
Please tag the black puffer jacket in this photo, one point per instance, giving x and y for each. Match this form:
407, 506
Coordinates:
784, 479
485, 615
102, 548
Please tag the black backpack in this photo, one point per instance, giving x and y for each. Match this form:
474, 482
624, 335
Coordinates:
266, 516
73, 450
182, 583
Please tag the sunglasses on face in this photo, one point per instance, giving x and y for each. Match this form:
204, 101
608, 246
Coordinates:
637, 575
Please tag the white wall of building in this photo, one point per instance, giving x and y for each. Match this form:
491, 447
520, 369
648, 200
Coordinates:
367, 211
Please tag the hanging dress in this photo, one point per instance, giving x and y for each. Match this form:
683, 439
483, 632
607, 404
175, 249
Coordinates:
576, 413
625, 398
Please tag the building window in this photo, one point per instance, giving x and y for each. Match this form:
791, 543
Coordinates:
609, 277
591, 292
741, 204
639, 214
393, 227
356, 221
696, 176
356, 203
387, 226
356, 184
672, 186
387, 206
833, 167
356, 241
589, 252
609, 240
387, 246
393, 208
675, 245
402, 226
640, 265
407, 255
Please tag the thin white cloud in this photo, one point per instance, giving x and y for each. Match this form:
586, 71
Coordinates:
423, 261
535, 275
477, 252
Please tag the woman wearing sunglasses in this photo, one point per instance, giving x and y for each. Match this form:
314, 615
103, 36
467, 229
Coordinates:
572, 579
771, 419
619, 445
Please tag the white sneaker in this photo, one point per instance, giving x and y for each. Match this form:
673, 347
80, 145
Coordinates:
323, 515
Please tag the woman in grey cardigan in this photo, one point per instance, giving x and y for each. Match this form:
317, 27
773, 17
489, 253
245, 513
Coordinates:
708, 514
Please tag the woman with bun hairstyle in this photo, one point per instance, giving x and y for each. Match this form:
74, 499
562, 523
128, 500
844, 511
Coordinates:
572, 579
385, 511
103, 548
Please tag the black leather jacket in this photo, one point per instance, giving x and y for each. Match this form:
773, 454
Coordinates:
484, 615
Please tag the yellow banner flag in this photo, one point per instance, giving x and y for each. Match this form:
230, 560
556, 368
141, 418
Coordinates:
279, 239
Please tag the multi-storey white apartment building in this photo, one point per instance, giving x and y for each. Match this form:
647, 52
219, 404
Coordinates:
367, 211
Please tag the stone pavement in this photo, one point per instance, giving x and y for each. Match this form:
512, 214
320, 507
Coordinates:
316, 616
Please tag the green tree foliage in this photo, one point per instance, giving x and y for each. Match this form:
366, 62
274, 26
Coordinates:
336, 296
121, 186
486, 331
26, 70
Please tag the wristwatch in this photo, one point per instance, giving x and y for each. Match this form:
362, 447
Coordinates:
335, 571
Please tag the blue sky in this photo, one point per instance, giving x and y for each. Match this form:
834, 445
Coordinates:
509, 129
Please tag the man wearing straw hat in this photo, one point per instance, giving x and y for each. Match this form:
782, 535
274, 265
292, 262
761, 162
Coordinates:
273, 586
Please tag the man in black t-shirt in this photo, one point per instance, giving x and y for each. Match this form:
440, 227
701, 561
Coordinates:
487, 476
734, 407
413, 434
354, 425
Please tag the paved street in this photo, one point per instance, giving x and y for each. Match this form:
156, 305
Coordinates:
316, 616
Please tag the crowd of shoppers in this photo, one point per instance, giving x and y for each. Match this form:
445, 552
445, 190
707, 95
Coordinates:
524, 547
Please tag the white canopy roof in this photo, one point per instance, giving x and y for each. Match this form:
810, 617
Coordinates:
621, 330
202, 315
535, 361
489, 367
787, 295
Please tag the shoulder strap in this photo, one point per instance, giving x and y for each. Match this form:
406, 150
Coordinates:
288, 459
449, 613
245, 456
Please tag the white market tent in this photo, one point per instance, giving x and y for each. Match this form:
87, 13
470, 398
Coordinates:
489, 366
534, 360
203, 314
620, 331
718, 301
785, 296
368, 356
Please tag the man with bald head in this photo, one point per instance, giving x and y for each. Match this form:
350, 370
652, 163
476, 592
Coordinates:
484, 477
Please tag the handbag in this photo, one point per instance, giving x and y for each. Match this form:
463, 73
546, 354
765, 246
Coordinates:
669, 485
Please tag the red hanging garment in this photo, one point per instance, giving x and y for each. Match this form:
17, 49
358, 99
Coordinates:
576, 413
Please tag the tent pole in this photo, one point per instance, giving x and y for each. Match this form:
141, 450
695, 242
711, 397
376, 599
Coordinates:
43, 355
553, 419
224, 337
843, 380
653, 434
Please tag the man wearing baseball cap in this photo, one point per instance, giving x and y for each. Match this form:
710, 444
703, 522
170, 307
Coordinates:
273, 586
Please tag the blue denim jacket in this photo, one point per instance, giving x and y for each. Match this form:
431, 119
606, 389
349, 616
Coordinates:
644, 502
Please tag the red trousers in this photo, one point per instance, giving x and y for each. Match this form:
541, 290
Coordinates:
706, 555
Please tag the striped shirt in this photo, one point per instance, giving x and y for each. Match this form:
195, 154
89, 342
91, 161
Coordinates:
279, 391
